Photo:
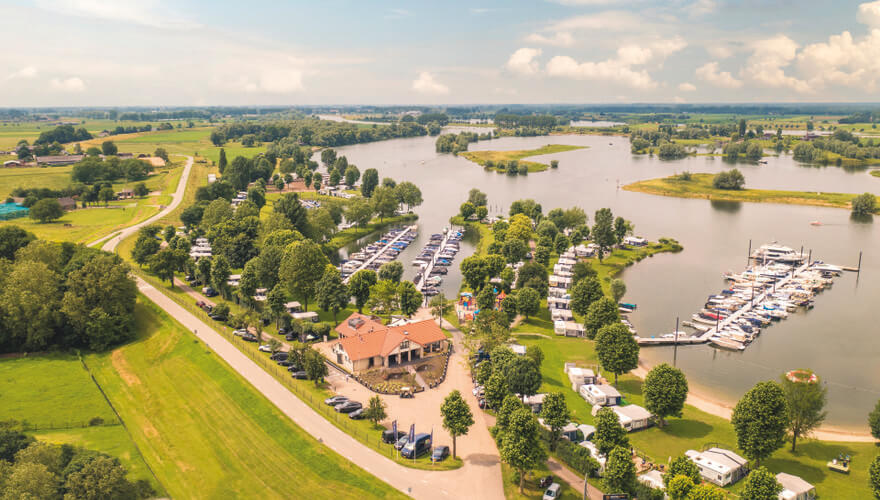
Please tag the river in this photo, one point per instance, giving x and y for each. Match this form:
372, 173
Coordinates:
834, 338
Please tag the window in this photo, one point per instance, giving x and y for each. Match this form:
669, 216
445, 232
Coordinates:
404, 345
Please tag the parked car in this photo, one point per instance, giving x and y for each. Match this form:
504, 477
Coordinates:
209, 292
348, 407
401, 442
290, 337
279, 356
421, 444
388, 437
300, 375
293, 368
265, 348
217, 317
552, 492
440, 453
194, 283
283, 330
249, 337
406, 392
482, 403
335, 400
285, 363
240, 332
357, 414
545, 481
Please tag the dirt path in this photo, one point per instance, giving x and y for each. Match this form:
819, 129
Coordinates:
574, 481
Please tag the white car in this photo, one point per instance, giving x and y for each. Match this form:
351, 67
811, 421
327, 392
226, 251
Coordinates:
265, 348
239, 332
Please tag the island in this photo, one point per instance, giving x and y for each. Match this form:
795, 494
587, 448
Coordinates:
500, 160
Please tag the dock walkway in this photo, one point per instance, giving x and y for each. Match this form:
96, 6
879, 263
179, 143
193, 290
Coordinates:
423, 282
380, 252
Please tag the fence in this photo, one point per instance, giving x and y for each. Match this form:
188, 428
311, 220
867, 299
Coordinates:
64, 425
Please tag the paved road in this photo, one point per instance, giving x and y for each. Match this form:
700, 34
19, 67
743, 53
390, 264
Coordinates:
176, 198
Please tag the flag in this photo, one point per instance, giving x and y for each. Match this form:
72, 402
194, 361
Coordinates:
394, 429
412, 433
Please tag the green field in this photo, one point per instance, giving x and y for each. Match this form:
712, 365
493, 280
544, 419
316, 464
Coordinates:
482, 157
89, 224
697, 429
700, 186
206, 432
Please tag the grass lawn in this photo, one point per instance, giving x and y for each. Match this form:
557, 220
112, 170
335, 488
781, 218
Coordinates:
89, 224
33, 177
700, 186
697, 429
206, 432
481, 157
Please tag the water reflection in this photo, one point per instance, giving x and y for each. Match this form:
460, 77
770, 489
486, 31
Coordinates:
730, 207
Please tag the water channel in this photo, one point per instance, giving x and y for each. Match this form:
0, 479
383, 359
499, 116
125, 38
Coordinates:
836, 338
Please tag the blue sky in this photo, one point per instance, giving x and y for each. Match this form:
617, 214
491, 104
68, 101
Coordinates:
180, 52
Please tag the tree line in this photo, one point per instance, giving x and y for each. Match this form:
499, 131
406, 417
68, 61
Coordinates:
315, 132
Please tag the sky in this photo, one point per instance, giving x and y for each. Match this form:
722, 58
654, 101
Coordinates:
214, 52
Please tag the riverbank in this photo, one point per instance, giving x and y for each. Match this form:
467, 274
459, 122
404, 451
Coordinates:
483, 158
700, 186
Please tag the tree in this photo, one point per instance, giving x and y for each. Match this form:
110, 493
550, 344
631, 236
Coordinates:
760, 420
220, 271
369, 181
30, 480
806, 407
496, 388
45, 210
409, 298
221, 165
276, 301
706, 492
536, 354
100, 477
11, 441
302, 267
583, 270
682, 466
359, 211
467, 209
520, 228
665, 391
332, 294
521, 443
618, 289
874, 476
864, 204
409, 194
289, 206
145, 246
474, 270
874, 421
609, 432
328, 156
528, 302
314, 366
257, 196
165, 262
439, 304
140, 190
359, 287
730, 180
523, 376
554, 411
678, 487
761, 484
603, 231
109, 148
457, 416
11, 239
384, 202
168, 233
584, 293
352, 174
375, 411
391, 271
477, 197
514, 250
216, 212
601, 313
620, 471
383, 295
616, 349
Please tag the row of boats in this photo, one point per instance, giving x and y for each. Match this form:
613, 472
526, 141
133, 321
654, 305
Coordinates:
758, 296
434, 260
384, 250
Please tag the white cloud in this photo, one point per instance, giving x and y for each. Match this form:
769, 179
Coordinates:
869, 13
703, 7
71, 84
610, 20
26, 72
719, 51
560, 39
523, 61
150, 13
766, 65
585, 2
620, 69
843, 60
425, 84
686, 87
709, 73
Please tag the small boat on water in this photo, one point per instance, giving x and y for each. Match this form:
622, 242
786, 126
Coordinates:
815, 223
728, 344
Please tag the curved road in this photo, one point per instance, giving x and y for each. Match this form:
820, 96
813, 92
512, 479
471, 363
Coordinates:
481, 473
176, 198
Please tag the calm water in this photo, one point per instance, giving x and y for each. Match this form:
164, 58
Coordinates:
836, 338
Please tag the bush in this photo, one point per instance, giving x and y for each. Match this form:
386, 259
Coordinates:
577, 457
731, 179
684, 176
864, 204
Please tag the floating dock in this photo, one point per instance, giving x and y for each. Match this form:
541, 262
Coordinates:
376, 255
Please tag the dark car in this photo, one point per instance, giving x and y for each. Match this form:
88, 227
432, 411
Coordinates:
401, 442
388, 437
421, 444
285, 363
545, 481
300, 375
348, 407
293, 368
194, 283
290, 337
283, 330
335, 400
357, 414
440, 453
249, 337
209, 292
217, 317
279, 356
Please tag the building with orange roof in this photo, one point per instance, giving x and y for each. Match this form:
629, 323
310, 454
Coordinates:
364, 342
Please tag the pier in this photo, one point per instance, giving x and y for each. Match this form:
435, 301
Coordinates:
704, 337
426, 272
376, 255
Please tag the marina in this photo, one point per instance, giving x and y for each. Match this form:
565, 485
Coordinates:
434, 259
783, 282
386, 249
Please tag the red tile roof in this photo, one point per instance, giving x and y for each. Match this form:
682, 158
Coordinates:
372, 338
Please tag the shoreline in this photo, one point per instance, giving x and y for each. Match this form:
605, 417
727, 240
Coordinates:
712, 405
